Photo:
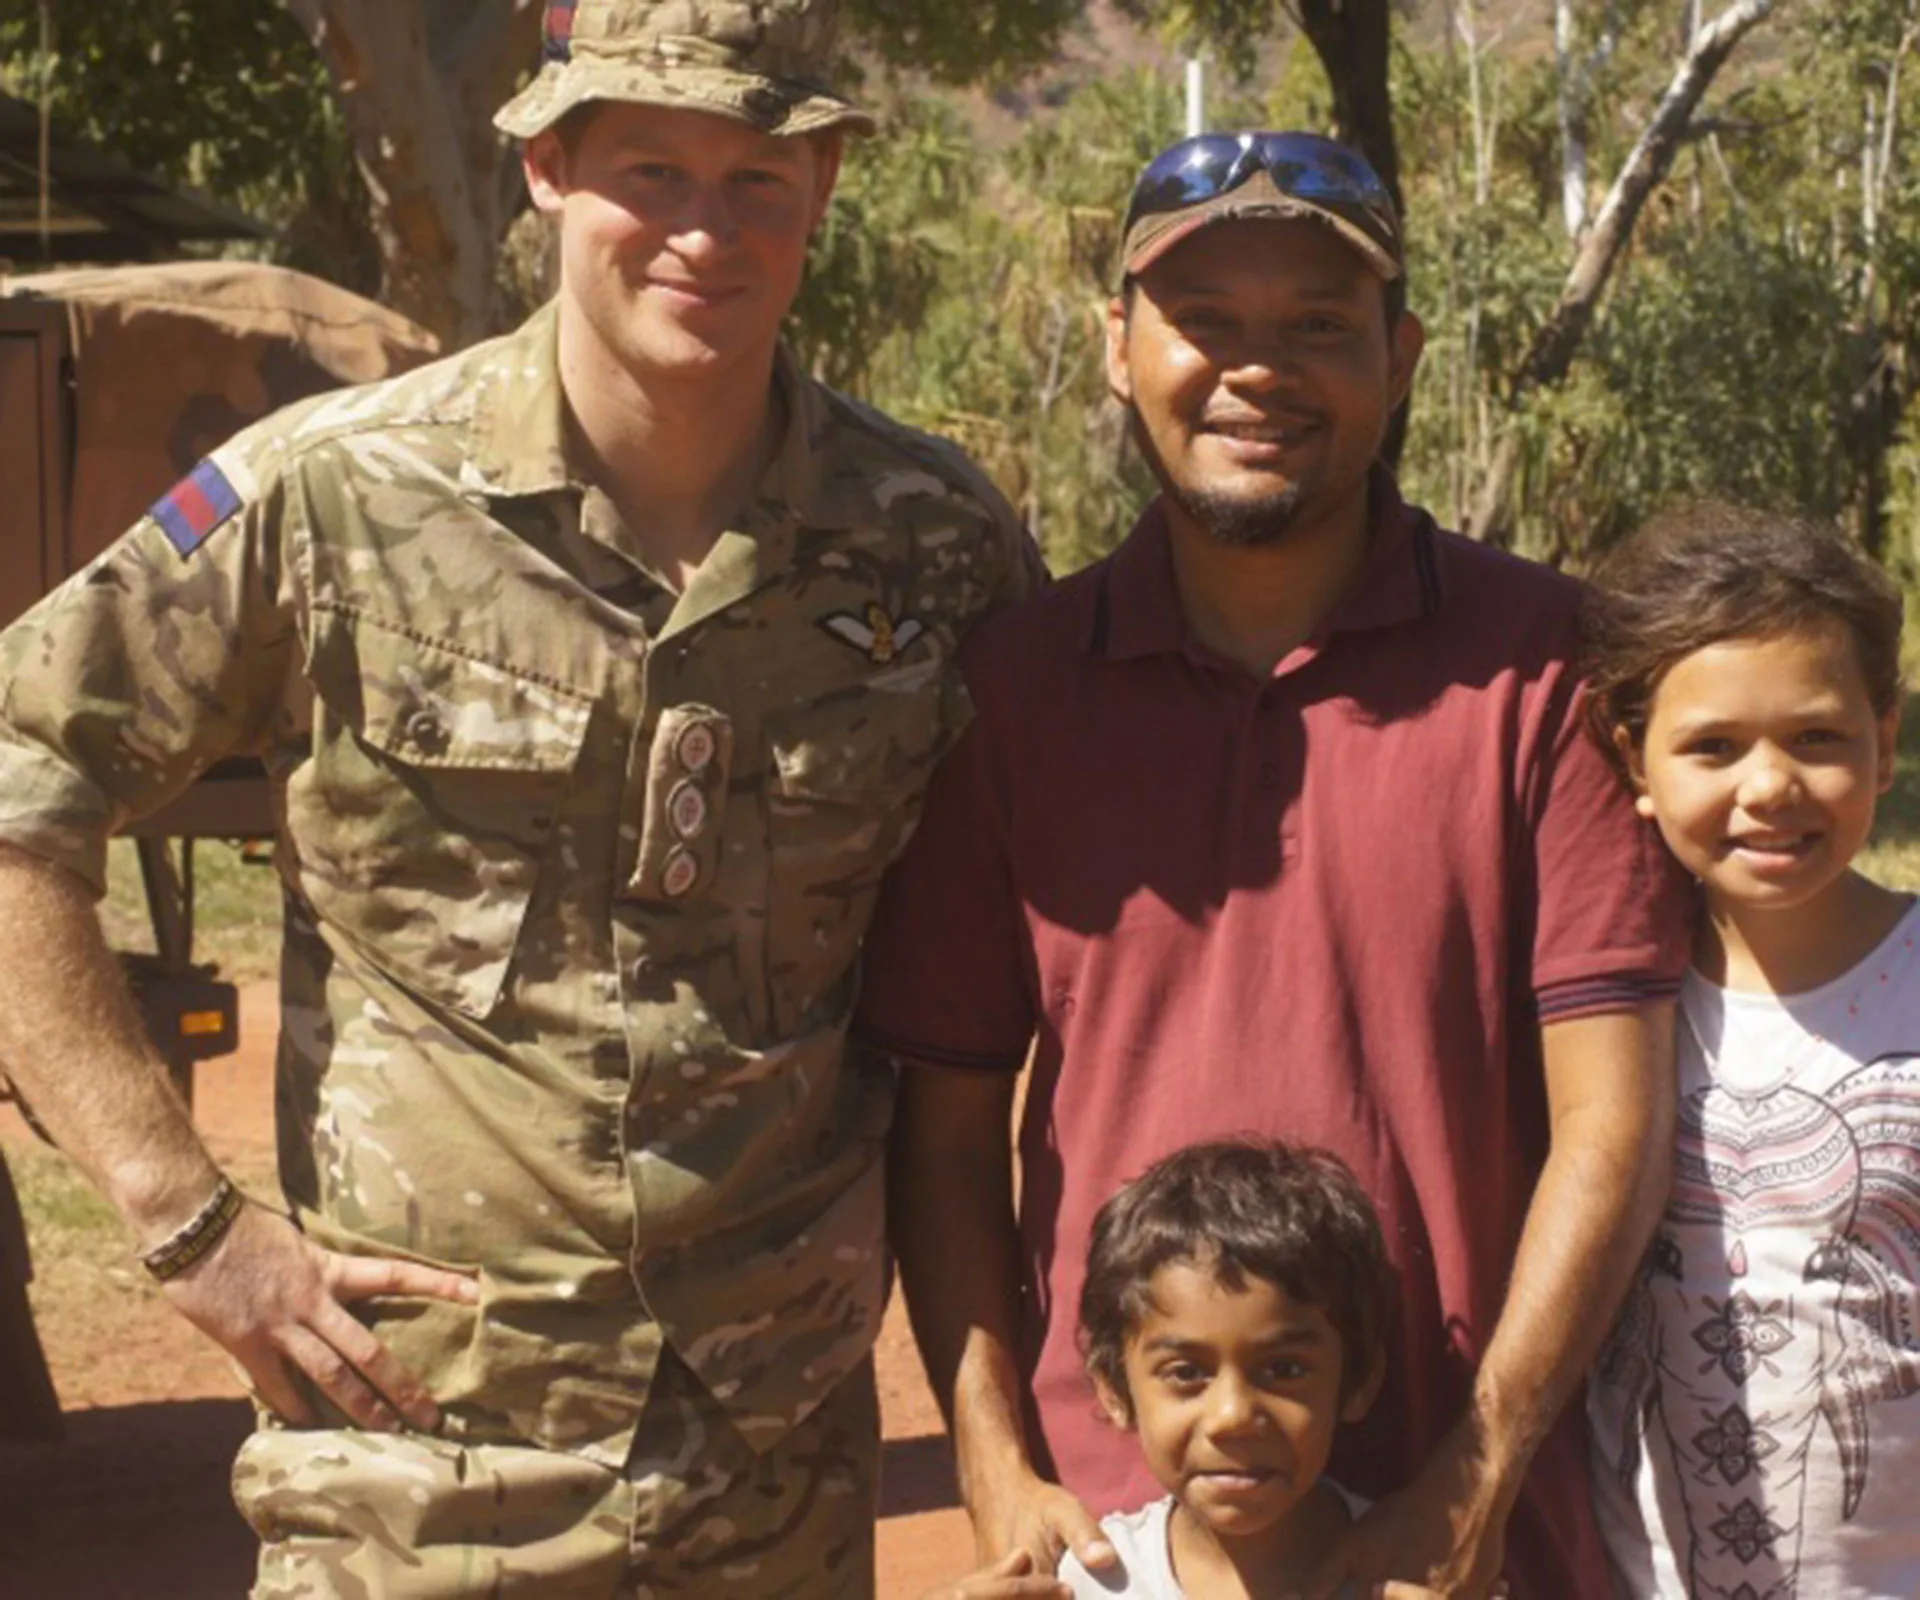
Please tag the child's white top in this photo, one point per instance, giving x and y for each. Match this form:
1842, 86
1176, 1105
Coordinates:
1140, 1538
1757, 1412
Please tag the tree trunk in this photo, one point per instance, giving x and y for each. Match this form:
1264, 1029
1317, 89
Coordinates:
1871, 429
1354, 41
419, 81
1551, 353
1877, 407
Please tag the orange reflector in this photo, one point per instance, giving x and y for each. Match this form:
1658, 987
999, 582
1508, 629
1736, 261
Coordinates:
200, 1024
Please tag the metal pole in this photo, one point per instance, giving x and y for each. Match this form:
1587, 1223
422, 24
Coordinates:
46, 130
1196, 97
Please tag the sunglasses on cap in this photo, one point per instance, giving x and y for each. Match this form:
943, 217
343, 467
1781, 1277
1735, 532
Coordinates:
1304, 167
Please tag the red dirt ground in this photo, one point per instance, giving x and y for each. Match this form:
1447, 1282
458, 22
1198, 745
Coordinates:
134, 1506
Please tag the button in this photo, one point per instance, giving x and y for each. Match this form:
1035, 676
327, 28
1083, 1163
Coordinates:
427, 731
697, 747
687, 810
681, 874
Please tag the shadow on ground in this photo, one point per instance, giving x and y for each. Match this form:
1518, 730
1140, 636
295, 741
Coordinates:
146, 1478
916, 1475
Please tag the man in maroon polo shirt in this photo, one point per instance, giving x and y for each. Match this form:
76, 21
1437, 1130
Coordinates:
1281, 820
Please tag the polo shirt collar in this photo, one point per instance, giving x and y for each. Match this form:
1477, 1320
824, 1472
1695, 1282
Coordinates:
1137, 605
519, 438
1137, 602
1400, 579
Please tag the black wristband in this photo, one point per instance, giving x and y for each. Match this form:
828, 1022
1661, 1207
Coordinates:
199, 1234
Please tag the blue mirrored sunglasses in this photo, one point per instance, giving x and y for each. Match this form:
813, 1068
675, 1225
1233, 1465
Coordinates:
1302, 165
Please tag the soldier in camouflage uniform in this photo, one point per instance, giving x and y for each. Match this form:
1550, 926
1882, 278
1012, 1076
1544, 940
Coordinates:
591, 738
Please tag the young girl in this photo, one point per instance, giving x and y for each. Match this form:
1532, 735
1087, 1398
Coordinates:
1231, 1320
1754, 1431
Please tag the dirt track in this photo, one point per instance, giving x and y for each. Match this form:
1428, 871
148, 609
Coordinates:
134, 1505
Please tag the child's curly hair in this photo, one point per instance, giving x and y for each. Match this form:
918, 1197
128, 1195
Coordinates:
1713, 572
1292, 1216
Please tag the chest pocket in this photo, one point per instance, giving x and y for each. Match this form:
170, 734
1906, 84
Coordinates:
849, 777
422, 822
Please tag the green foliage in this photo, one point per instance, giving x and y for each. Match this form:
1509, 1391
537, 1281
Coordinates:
963, 43
225, 95
1234, 29
966, 292
1894, 856
215, 91
963, 288
1679, 364
1736, 350
893, 232
237, 904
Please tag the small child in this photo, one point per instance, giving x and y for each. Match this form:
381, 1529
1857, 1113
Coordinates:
1754, 1432
1232, 1317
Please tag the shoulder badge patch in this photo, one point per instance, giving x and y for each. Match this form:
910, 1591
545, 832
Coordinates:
882, 639
195, 506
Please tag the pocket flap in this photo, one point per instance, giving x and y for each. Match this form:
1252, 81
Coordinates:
430, 703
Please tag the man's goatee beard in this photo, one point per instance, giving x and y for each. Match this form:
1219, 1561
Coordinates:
1244, 524
1239, 522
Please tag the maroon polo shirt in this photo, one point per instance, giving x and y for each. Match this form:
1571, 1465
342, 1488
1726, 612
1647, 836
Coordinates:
1334, 905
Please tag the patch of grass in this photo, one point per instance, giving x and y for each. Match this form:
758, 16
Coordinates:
237, 908
81, 1248
82, 1252
67, 1214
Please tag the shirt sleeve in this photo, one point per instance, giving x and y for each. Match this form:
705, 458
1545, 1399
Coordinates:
945, 975
1614, 912
168, 652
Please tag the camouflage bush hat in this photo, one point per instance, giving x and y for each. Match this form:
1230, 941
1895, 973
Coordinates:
1221, 177
764, 62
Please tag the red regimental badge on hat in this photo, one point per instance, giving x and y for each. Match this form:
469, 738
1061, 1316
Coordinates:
560, 27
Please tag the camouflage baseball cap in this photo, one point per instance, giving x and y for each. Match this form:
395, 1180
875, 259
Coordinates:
764, 62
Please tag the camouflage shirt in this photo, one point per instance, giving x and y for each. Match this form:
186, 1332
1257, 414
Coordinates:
576, 871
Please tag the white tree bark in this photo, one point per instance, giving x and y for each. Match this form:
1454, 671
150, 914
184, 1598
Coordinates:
1576, 70
419, 82
1553, 348
1484, 119
1573, 121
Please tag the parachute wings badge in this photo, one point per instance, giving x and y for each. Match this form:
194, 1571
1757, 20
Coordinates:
880, 637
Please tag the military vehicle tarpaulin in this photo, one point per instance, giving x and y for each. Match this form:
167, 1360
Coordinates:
170, 361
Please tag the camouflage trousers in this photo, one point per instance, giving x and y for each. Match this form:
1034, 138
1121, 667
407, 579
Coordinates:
346, 1515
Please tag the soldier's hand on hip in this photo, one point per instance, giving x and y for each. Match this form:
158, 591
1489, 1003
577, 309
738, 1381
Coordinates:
276, 1301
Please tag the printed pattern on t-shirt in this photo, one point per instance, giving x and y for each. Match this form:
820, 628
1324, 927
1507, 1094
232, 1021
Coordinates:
1751, 1399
